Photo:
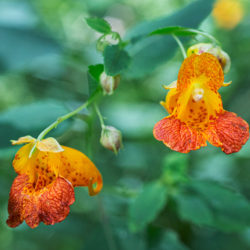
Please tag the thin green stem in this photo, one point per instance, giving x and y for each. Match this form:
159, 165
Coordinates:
61, 119
202, 33
99, 115
180, 45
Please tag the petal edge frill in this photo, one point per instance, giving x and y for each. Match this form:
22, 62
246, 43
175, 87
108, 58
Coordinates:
228, 131
177, 135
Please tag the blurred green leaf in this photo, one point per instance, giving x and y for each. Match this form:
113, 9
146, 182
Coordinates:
170, 241
149, 52
193, 209
245, 151
94, 73
175, 168
21, 47
208, 203
30, 119
147, 205
99, 24
116, 60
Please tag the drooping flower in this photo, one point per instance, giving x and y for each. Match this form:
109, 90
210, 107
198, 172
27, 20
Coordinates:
228, 13
221, 55
44, 188
196, 110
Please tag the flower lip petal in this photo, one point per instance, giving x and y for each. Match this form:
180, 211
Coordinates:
49, 205
177, 135
228, 132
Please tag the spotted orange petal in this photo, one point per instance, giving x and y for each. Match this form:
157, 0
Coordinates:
177, 135
41, 164
70, 164
199, 67
49, 204
170, 103
80, 170
228, 132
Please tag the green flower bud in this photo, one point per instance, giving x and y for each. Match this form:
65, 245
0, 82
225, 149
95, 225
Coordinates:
111, 138
109, 83
107, 39
221, 55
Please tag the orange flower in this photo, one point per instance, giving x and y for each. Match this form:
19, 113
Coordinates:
44, 187
196, 111
228, 13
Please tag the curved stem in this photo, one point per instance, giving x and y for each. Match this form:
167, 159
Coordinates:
99, 115
180, 45
61, 119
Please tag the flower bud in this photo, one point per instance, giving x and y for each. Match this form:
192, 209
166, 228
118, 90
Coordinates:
221, 55
111, 138
109, 83
107, 39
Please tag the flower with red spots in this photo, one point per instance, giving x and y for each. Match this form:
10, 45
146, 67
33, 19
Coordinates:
44, 188
196, 110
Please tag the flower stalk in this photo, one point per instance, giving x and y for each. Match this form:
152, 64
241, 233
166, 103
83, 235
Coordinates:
63, 118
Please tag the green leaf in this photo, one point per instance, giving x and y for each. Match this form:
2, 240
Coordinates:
177, 30
245, 151
182, 31
21, 48
99, 24
94, 73
116, 60
148, 52
30, 119
170, 241
147, 205
193, 209
175, 168
213, 205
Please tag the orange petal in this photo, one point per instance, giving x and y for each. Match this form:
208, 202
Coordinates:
196, 66
49, 205
171, 100
44, 164
22, 163
79, 170
228, 132
177, 135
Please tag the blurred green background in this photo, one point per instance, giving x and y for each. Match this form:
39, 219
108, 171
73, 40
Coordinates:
147, 202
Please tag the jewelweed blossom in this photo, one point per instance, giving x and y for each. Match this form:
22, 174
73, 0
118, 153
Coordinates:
196, 110
44, 188
228, 13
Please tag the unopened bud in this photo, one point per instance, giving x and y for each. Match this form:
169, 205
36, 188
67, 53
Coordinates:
111, 138
221, 55
107, 39
109, 83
